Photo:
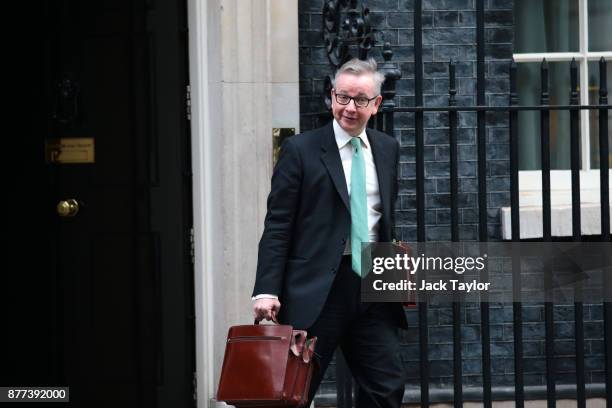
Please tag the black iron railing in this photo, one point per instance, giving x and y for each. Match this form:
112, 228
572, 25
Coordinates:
384, 121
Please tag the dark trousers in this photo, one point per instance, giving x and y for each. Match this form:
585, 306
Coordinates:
367, 334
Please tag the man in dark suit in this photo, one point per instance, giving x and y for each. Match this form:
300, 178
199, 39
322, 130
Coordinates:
333, 188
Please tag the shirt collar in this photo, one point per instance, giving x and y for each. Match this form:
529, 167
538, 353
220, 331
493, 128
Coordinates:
342, 137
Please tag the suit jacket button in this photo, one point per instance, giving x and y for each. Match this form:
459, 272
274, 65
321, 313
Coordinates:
333, 270
343, 241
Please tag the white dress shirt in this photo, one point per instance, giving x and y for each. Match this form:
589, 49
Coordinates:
346, 150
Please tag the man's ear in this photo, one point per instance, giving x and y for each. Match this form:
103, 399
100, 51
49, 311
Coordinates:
377, 102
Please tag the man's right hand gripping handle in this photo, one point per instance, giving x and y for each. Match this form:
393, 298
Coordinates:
266, 308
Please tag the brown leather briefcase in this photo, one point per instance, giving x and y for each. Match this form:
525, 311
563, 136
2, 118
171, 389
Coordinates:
266, 366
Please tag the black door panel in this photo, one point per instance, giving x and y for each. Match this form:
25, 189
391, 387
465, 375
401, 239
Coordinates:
102, 301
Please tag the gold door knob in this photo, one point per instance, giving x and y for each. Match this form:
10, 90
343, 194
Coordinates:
68, 208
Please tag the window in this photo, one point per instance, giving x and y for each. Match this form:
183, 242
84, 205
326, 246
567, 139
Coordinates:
560, 30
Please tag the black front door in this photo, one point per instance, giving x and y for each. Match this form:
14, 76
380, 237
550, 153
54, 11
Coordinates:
102, 284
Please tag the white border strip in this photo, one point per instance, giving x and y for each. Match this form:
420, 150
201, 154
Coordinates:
550, 56
200, 155
561, 56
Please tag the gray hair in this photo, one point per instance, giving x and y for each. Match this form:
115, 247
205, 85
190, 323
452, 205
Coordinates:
361, 67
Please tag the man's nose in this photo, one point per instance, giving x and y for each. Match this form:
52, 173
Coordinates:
352, 106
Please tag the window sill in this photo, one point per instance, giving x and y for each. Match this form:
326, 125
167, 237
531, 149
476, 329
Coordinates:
530, 203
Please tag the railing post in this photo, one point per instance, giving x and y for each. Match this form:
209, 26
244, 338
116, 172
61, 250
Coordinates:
545, 151
546, 234
483, 231
575, 150
452, 134
392, 74
418, 121
604, 167
604, 151
514, 159
576, 230
454, 181
517, 308
420, 192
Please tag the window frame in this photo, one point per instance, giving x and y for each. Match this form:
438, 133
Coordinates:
583, 56
530, 186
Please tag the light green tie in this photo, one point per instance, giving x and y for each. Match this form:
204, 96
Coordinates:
359, 210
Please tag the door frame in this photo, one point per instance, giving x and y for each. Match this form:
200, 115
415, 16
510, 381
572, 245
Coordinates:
204, 186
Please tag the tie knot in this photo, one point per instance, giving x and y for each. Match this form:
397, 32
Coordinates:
356, 142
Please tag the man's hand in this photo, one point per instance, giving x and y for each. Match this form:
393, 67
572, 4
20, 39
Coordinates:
266, 308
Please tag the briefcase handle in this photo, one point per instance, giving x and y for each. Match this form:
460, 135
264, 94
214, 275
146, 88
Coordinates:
274, 319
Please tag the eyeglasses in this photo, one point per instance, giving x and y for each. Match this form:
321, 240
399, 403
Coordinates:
360, 101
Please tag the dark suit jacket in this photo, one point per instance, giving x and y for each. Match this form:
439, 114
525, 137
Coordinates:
308, 221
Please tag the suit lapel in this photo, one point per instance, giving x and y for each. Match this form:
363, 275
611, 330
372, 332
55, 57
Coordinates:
380, 161
330, 156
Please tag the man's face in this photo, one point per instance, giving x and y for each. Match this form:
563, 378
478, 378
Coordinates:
353, 119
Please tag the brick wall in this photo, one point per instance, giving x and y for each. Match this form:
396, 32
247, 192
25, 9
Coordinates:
502, 345
449, 32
